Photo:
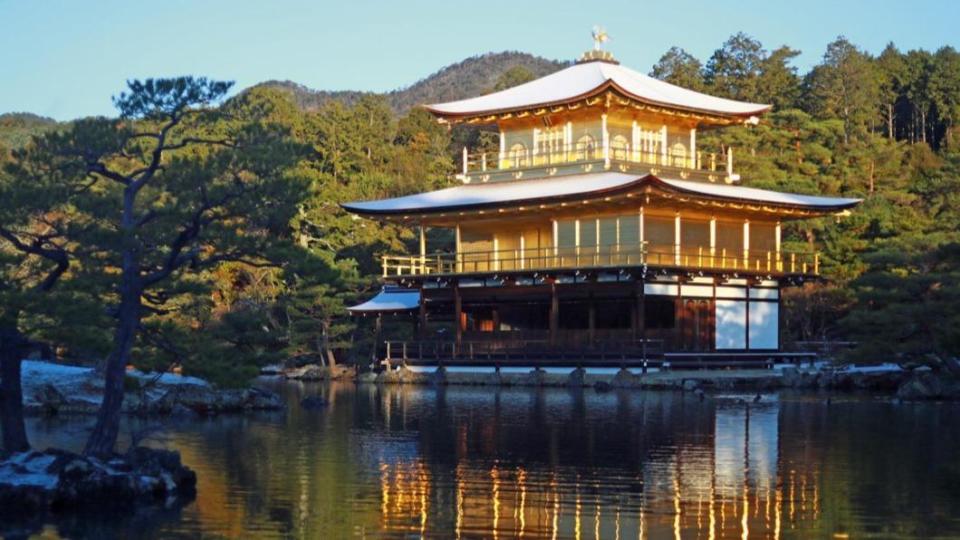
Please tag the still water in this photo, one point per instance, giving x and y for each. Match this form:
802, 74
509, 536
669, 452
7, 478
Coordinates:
462, 462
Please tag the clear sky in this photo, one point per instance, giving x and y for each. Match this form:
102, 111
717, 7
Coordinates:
65, 59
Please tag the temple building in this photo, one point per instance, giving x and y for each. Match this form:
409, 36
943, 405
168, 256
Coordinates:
598, 234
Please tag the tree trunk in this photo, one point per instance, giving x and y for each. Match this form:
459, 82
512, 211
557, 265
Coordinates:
103, 439
11, 391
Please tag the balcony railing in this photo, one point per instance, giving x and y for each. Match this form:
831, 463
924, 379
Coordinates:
558, 155
606, 256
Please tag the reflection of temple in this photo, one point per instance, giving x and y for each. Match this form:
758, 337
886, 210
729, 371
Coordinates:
709, 480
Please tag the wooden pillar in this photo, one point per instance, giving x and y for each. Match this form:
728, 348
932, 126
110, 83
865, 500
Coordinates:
663, 146
605, 134
676, 239
746, 244
777, 264
693, 148
554, 312
423, 249
458, 247
591, 319
457, 313
377, 328
422, 317
634, 141
713, 242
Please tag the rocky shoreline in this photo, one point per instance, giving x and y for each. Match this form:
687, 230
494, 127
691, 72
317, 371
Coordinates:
903, 384
58, 389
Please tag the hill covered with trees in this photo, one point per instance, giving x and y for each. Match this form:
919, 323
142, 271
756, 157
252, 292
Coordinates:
473, 76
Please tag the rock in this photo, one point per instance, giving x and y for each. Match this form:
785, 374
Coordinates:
624, 379
602, 387
367, 377
929, 385
690, 385
576, 378
313, 403
439, 377
315, 372
49, 399
535, 377
38, 482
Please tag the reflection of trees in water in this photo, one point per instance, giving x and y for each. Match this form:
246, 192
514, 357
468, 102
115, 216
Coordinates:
562, 463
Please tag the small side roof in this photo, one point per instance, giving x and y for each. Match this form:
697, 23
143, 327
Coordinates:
542, 190
389, 300
589, 78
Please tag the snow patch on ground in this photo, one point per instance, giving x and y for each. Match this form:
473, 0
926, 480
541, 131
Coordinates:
28, 469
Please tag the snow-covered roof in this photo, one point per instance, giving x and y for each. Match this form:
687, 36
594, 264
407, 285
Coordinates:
387, 300
477, 196
589, 78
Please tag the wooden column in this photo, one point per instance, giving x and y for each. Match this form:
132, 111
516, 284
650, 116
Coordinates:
605, 134
693, 148
746, 244
457, 313
676, 239
554, 312
422, 316
663, 146
591, 319
777, 264
713, 242
423, 249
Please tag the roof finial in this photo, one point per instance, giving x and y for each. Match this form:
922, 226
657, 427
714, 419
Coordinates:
600, 36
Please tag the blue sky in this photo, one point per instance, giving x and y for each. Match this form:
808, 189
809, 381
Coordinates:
65, 59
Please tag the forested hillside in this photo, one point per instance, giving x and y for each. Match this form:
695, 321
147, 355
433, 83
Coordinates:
471, 77
883, 128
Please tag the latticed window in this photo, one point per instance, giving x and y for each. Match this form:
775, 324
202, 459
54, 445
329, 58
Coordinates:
586, 148
518, 155
619, 147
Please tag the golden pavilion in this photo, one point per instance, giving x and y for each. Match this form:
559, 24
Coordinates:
599, 234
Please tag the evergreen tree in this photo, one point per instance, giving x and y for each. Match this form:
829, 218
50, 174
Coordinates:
679, 67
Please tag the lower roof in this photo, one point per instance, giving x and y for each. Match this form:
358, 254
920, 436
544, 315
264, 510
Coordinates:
578, 186
389, 300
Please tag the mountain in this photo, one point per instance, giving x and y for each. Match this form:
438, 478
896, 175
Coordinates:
471, 77
17, 128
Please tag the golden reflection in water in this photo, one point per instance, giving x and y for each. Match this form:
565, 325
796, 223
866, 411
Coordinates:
734, 474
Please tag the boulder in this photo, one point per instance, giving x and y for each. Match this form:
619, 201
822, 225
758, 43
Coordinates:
929, 385
37, 482
535, 377
577, 377
602, 387
624, 379
313, 403
690, 385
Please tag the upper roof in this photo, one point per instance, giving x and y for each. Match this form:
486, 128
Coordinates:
577, 186
590, 78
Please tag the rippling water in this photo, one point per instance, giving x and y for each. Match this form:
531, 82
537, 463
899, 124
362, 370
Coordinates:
462, 462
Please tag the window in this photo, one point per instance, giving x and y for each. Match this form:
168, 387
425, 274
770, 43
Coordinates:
586, 148
678, 155
659, 235
629, 231
729, 245
518, 155
695, 237
659, 313
619, 147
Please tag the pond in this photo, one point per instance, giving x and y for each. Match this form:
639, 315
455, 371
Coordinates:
476, 462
